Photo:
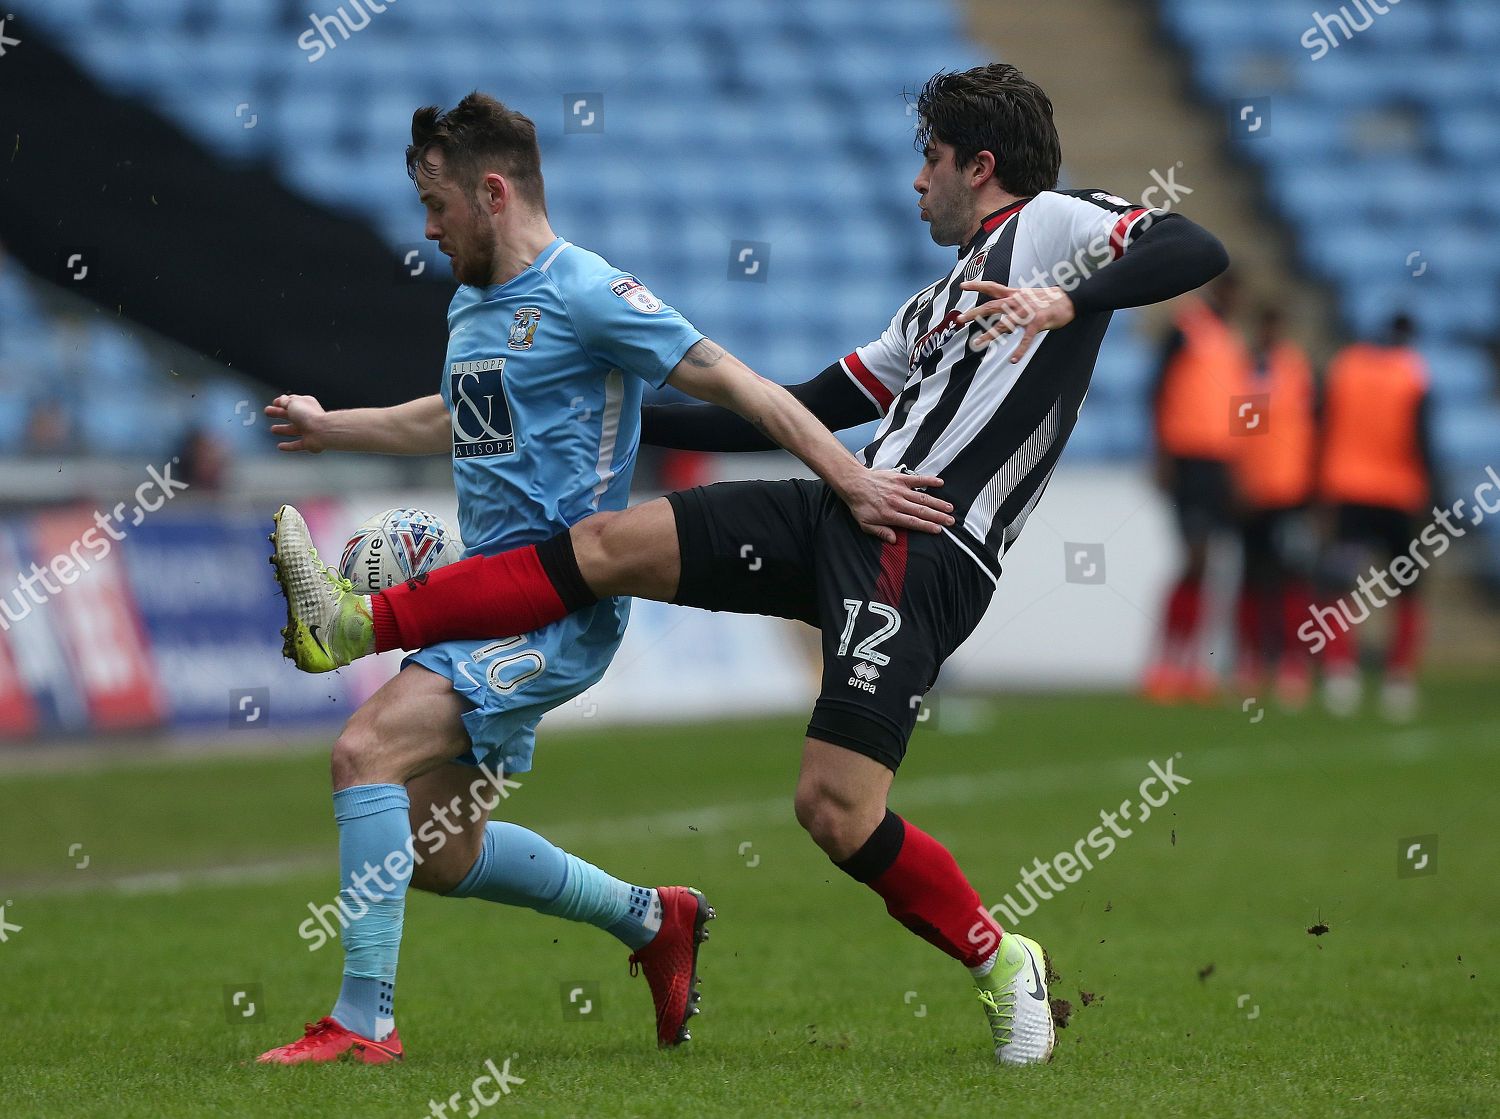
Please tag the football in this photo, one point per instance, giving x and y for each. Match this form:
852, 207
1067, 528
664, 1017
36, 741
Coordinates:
395, 546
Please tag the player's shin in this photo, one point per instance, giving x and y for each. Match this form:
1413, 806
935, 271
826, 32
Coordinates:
519, 867
923, 888
374, 868
483, 596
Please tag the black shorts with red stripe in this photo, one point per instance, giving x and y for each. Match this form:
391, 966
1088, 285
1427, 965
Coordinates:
889, 614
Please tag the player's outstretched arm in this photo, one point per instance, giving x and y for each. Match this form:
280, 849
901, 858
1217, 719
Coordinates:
418, 427
1168, 258
831, 397
881, 500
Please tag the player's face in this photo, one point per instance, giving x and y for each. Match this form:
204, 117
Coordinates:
457, 224
946, 201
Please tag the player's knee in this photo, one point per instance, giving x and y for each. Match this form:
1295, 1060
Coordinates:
364, 753
596, 547
352, 752
834, 823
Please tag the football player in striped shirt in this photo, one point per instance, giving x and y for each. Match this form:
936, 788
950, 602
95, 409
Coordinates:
982, 392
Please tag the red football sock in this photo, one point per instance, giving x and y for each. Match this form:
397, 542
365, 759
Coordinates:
1296, 598
1184, 604
1402, 658
1183, 608
1249, 629
482, 596
924, 889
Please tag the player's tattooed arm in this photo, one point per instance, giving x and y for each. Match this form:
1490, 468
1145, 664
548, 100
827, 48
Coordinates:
418, 427
881, 500
704, 354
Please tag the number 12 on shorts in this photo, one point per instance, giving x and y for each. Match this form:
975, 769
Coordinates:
867, 650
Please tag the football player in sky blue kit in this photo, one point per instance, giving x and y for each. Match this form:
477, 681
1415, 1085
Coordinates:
549, 351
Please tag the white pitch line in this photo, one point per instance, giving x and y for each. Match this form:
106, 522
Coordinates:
1393, 748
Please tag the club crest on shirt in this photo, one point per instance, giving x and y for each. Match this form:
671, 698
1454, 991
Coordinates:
523, 330
637, 294
975, 268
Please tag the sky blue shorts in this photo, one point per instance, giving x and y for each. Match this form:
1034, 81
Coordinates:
512, 682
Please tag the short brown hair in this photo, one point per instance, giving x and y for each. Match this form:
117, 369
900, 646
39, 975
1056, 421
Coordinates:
476, 136
994, 109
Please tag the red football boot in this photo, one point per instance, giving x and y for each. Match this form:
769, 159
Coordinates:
670, 961
326, 1040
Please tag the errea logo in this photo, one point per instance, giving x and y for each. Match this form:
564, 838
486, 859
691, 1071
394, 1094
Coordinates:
865, 675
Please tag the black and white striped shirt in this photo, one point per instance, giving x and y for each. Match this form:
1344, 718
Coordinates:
991, 429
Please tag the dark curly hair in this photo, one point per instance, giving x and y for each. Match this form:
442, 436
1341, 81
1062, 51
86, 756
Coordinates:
993, 109
476, 136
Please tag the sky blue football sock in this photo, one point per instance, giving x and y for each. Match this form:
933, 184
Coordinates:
518, 867
373, 823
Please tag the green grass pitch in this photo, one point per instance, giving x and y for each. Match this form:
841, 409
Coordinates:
1208, 994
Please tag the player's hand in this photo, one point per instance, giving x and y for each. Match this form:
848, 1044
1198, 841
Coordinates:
1029, 310
300, 418
885, 500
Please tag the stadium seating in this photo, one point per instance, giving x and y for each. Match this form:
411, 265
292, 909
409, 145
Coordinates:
721, 123
73, 381
728, 123
1380, 149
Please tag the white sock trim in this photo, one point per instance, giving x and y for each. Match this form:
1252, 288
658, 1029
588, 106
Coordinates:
985, 968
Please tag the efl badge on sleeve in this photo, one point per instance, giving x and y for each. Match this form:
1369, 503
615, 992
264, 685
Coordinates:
637, 294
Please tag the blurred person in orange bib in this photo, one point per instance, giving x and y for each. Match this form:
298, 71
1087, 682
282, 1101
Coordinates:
1273, 474
1375, 475
1204, 367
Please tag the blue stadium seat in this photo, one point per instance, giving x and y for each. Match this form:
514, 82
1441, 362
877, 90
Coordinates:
1475, 25
14, 417
65, 17
1309, 128
1127, 365
110, 423
154, 13
1343, 76
1468, 135
240, 17
1468, 434
303, 118
1461, 375
1272, 24
1401, 28
1440, 312
1093, 436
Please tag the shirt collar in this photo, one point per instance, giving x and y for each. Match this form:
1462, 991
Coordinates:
990, 224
